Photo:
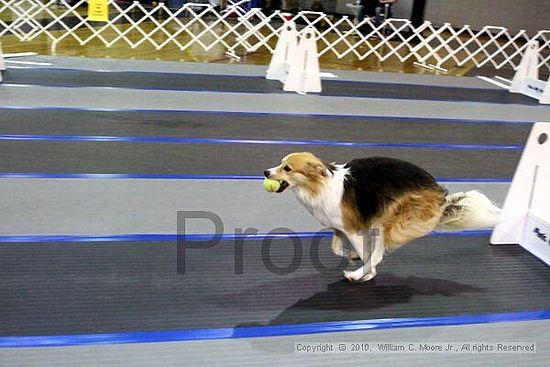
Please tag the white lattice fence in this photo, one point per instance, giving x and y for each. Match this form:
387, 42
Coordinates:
237, 31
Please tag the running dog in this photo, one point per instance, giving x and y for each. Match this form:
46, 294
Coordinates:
378, 204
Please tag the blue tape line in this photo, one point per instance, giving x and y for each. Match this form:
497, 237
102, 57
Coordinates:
138, 237
473, 179
162, 176
265, 331
476, 232
175, 176
426, 120
186, 140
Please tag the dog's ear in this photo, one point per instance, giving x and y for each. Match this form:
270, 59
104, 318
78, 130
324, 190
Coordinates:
315, 169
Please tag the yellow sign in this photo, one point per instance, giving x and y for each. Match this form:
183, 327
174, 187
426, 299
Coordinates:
98, 10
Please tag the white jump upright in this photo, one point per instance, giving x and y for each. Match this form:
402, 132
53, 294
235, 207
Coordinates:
527, 207
304, 75
286, 48
296, 63
2, 63
527, 69
526, 79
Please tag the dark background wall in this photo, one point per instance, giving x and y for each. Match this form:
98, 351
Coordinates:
531, 15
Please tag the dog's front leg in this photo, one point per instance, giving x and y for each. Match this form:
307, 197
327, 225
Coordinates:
338, 246
369, 246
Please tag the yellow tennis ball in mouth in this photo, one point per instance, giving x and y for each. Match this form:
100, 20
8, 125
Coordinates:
271, 185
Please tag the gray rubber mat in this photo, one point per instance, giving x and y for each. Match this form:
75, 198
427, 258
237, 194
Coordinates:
246, 84
279, 351
67, 288
251, 126
119, 157
122, 206
36, 97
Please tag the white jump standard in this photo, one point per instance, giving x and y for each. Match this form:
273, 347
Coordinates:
527, 216
296, 63
526, 79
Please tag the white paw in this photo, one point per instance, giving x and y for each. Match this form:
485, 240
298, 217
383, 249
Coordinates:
358, 275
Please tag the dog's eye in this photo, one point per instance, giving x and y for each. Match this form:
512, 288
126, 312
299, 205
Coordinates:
287, 168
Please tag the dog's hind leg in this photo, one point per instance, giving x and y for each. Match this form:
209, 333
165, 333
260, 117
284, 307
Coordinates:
370, 248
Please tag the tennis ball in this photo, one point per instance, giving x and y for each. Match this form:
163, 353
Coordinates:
271, 185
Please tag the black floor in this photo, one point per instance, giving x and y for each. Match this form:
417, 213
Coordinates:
254, 126
175, 158
164, 158
48, 289
247, 84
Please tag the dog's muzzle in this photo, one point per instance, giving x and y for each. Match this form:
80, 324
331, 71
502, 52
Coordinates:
283, 184
282, 187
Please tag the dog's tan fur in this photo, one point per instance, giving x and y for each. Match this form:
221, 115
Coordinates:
306, 171
411, 216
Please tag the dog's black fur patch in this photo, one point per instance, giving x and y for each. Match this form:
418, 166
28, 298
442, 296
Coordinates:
329, 166
373, 183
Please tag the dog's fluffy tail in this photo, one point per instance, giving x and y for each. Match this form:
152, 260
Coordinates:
468, 210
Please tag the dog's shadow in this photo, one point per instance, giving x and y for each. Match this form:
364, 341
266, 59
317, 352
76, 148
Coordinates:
341, 299
384, 290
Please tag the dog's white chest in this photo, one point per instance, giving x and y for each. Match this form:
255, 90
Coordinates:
327, 207
328, 214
